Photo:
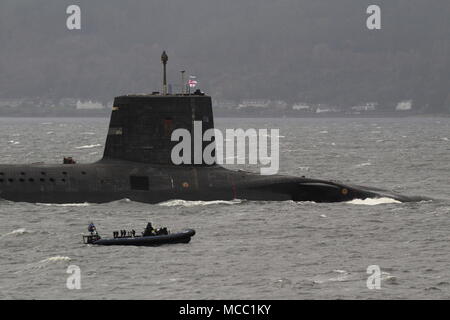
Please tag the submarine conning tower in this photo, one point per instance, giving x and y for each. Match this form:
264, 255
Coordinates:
141, 125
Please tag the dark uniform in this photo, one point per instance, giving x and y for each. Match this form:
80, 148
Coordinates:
149, 231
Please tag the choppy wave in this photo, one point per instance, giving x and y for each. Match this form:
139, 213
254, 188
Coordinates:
373, 201
340, 271
43, 263
81, 204
186, 203
54, 259
90, 146
84, 204
120, 201
388, 278
343, 276
364, 164
16, 232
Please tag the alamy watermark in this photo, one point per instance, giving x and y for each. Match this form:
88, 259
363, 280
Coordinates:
235, 151
374, 280
73, 281
73, 21
373, 22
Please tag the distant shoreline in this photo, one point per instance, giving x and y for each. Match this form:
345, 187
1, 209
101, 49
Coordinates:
305, 116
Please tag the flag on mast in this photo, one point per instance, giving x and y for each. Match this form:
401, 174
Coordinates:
192, 81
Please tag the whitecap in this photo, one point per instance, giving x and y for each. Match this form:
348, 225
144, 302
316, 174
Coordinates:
373, 201
90, 146
124, 200
186, 203
388, 278
270, 136
302, 202
344, 277
364, 164
340, 271
43, 263
84, 204
16, 232
55, 259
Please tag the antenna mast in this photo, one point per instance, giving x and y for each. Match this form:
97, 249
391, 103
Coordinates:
183, 85
164, 59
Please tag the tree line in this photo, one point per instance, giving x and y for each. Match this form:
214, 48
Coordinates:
293, 50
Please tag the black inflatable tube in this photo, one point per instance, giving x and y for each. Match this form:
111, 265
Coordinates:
180, 237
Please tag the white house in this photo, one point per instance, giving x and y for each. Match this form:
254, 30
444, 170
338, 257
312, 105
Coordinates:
89, 105
255, 103
301, 107
370, 106
404, 105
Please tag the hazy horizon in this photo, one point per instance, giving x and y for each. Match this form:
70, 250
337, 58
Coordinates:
291, 50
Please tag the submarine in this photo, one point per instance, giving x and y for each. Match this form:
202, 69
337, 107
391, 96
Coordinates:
137, 164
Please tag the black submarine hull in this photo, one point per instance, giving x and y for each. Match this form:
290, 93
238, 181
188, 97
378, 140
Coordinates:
107, 181
149, 241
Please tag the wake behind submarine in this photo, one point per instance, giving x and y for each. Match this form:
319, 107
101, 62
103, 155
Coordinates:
137, 164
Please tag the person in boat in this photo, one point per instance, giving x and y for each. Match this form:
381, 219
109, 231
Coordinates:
94, 234
149, 230
92, 229
162, 231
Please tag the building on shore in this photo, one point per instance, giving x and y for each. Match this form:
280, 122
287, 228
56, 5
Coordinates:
327, 109
405, 105
302, 107
254, 103
367, 107
89, 105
